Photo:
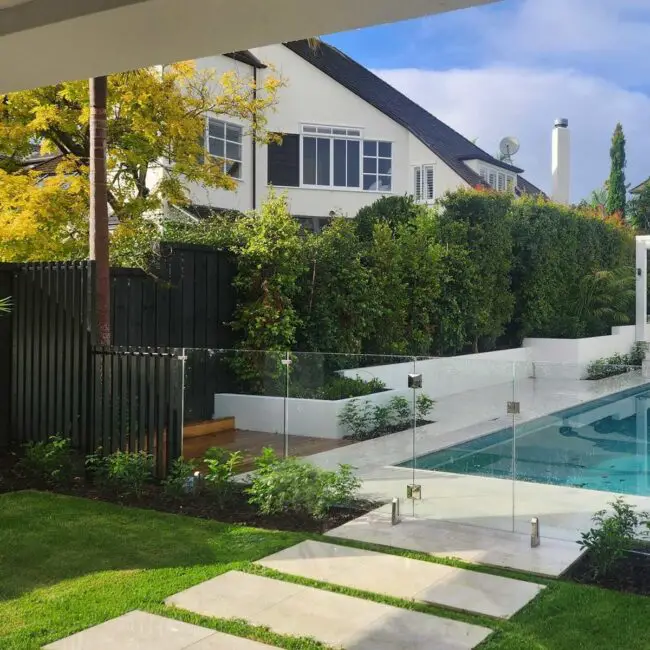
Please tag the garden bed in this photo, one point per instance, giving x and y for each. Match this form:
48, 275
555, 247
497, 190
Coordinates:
238, 510
631, 575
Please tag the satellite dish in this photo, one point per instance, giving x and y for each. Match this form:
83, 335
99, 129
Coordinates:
509, 146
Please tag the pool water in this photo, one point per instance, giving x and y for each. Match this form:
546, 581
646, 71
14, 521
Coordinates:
601, 445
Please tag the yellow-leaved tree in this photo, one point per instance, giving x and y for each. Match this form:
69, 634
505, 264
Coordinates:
156, 121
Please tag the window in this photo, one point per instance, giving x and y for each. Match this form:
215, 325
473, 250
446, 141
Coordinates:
499, 180
330, 156
377, 166
338, 157
423, 185
224, 140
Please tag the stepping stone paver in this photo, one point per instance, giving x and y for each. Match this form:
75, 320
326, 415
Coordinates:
143, 631
406, 578
333, 619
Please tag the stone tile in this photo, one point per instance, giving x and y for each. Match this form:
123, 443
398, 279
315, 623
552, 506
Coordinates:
333, 619
232, 594
135, 631
220, 641
475, 544
414, 631
404, 578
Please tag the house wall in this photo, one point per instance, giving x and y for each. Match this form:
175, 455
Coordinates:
242, 198
310, 96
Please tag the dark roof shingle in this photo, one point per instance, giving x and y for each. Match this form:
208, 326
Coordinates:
447, 144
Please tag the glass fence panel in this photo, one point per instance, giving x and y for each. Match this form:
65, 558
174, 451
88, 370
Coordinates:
581, 441
234, 400
354, 410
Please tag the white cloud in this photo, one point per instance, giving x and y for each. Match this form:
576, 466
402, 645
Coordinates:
493, 102
534, 61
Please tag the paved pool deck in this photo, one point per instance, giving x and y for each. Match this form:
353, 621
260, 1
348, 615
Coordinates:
473, 517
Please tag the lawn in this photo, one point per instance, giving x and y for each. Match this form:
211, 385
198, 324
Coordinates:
69, 563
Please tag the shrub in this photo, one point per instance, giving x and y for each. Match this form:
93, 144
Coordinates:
364, 421
340, 387
180, 478
611, 537
292, 485
124, 472
617, 364
50, 461
221, 469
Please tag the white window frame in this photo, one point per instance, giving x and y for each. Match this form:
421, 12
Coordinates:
421, 191
498, 179
340, 132
226, 141
377, 174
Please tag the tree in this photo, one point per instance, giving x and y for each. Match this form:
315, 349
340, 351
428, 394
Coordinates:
639, 210
616, 185
155, 128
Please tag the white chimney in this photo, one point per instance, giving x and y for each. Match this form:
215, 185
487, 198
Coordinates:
561, 165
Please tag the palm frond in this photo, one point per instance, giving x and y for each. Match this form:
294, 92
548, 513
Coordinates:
5, 305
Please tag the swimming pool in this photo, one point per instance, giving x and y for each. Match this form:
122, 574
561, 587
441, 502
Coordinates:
600, 445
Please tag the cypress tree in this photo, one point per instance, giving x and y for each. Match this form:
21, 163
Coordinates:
616, 185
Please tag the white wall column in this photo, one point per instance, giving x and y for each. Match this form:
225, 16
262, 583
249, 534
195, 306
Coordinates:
642, 243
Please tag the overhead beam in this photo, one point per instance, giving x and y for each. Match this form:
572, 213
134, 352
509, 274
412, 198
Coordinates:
47, 41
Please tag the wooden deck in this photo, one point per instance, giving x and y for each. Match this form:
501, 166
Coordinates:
251, 443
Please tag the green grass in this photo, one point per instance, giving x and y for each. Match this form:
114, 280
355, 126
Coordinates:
67, 564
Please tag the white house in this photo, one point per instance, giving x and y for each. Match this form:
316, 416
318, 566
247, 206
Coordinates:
348, 137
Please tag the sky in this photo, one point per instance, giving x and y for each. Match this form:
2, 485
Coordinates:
513, 67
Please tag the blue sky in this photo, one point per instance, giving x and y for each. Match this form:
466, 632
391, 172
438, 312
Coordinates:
512, 67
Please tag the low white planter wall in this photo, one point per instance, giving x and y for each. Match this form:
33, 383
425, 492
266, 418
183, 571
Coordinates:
306, 417
569, 358
449, 375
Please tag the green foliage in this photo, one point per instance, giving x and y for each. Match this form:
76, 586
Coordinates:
180, 477
339, 387
337, 303
221, 468
281, 485
423, 406
616, 190
394, 211
611, 537
638, 211
125, 472
5, 305
364, 420
555, 247
617, 364
480, 222
50, 461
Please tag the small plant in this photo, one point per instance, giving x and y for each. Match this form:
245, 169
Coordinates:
50, 461
221, 469
423, 406
282, 485
357, 419
123, 471
340, 387
617, 364
611, 537
364, 421
401, 411
180, 478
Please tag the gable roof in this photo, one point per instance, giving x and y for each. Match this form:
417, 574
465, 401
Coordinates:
639, 188
449, 145
526, 187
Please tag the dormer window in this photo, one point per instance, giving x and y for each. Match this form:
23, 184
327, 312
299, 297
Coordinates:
498, 179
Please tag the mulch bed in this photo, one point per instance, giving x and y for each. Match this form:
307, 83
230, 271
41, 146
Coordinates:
631, 575
237, 511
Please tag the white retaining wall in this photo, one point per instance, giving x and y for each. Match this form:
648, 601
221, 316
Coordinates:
306, 417
448, 375
569, 358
